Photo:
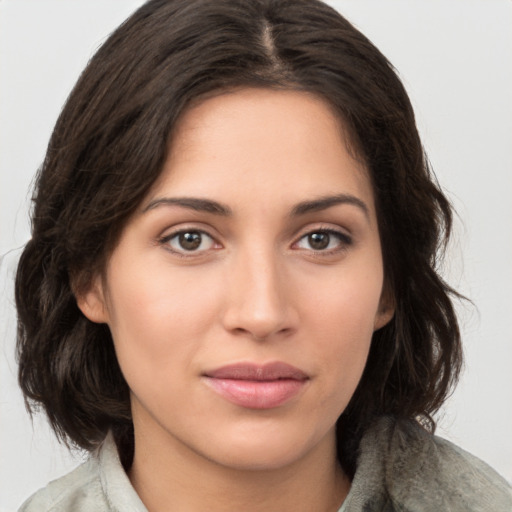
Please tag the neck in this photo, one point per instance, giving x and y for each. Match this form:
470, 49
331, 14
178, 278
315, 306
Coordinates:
167, 475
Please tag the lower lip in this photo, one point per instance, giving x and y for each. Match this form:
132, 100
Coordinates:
257, 394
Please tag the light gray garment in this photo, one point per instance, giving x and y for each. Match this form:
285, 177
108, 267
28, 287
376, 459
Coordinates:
98, 485
401, 468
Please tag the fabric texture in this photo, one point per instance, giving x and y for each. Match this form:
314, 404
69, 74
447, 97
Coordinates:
401, 468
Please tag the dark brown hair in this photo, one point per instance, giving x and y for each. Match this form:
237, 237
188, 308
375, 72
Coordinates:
108, 148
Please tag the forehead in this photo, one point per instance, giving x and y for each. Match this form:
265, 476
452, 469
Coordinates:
261, 144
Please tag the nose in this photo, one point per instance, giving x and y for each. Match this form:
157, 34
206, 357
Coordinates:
259, 298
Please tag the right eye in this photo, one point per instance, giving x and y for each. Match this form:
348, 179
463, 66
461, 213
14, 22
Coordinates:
189, 241
324, 241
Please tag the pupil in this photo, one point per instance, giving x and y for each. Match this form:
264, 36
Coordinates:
319, 240
190, 241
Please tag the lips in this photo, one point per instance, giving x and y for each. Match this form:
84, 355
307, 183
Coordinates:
256, 386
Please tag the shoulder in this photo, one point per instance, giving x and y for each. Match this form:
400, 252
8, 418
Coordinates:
100, 484
79, 490
407, 468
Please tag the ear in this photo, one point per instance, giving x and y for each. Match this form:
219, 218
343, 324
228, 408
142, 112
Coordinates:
386, 310
91, 301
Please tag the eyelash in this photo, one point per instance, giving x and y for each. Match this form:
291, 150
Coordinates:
183, 253
344, 241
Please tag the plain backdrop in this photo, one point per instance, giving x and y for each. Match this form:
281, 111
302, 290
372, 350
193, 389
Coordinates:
454, 57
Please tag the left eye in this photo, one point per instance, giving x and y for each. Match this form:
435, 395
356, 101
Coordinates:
189, 241
323, 240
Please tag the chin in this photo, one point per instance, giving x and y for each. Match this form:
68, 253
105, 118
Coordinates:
257, 459
271, 450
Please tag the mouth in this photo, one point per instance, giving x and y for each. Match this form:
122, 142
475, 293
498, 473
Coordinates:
255, 386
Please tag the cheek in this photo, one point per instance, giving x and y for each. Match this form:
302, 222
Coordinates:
347, 302
342, 323
157, 318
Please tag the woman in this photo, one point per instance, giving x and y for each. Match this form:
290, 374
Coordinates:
232, 276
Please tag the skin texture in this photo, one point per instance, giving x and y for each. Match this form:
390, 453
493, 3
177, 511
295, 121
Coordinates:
253, 290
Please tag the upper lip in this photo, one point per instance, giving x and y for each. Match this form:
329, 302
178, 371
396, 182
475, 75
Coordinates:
257, 372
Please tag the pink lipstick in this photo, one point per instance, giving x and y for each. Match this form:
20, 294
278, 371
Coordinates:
257, 386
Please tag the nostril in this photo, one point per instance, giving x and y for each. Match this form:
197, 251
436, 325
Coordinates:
260, 335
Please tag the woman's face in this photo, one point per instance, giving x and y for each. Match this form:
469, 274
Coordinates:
243, 295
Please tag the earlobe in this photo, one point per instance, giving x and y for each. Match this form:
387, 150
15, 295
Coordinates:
92, 302
385, 313
383, 317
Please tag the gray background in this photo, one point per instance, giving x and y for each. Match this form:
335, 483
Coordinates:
455, 59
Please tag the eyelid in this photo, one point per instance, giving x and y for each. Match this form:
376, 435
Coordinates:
323, 227
345, 238
177, 230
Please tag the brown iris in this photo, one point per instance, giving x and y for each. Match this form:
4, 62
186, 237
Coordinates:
190, 240
319, 241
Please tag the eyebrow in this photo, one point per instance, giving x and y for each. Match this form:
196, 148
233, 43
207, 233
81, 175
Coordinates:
192, 203
209, 206
323, 203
